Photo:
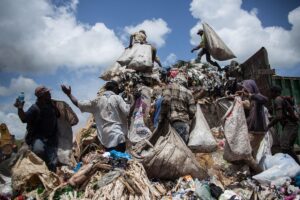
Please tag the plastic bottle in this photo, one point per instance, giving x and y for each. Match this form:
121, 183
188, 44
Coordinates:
21, 97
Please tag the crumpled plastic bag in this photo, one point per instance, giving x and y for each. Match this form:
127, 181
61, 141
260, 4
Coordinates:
229, 194
201, 138
203, 191
5, 188
278, 166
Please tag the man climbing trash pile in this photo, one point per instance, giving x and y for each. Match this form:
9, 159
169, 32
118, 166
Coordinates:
110, 112
43, 125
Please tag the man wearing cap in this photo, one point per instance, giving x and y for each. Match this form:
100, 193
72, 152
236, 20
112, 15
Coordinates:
110, 112
41, 119
204, 50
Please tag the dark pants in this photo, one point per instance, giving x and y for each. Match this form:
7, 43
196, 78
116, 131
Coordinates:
47, 153
120, 147
183, 129
208, 59
288, 138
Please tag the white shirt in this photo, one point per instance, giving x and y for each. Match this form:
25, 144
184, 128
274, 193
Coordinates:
110, 112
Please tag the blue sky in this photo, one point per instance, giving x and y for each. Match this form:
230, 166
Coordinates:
68, 41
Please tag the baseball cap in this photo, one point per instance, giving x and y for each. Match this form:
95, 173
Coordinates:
41, 90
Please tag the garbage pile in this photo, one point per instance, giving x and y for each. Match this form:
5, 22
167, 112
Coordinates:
158, 164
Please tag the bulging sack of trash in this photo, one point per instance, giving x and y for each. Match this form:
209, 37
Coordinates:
237, 146
31, 171
127, 56
216, 47
201, 138
142, 58
278, 166
170, 158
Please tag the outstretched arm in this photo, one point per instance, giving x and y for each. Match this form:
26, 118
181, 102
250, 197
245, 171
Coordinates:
67, 91
196, 48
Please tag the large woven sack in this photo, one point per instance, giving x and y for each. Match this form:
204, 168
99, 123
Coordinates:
201, 138
237, 146
138, 130
142, 58
170, 158
216, 47
127, 56
30, 171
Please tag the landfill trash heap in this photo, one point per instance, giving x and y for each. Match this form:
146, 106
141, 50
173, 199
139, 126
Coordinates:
157, 163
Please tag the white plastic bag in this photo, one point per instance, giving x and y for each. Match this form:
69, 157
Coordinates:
237, 146
278, 166
201, 138
216, 47
142, 58
265, 145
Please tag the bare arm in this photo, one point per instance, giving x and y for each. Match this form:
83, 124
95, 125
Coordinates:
196, 48
67, 91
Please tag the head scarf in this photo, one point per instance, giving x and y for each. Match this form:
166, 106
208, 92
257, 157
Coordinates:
250, 86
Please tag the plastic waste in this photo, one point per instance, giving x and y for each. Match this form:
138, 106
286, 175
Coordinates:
21, 97
201, 138
77, 167
203, 191
5, 188
278, 166
229, 194
106, 154
38, 146
117, 154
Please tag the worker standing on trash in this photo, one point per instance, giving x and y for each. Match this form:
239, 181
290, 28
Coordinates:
285, 114
140, 37
179, 106
41, 119
253, 102
204, 50
111, 115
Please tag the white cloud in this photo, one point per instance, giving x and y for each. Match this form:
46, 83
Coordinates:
38, 36
170, 60
244, 34
17, 85
156, 30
